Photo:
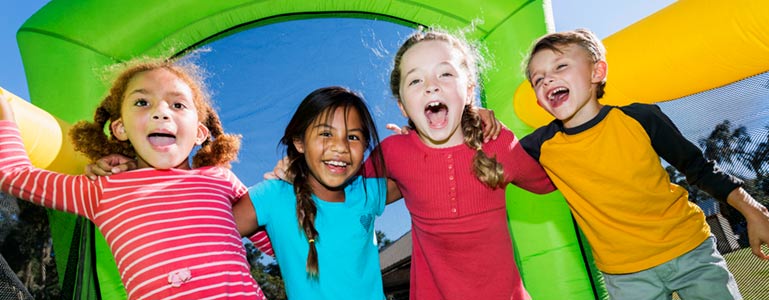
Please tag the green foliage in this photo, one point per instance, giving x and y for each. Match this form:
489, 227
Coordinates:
382, 240
266, 274
28, 247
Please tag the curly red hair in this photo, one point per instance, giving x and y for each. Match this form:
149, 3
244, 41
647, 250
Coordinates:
91, 138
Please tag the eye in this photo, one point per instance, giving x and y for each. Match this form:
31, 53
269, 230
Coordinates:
414, 81
537, 81
354, 137
179, 105
325, 134
447, 74
561, 66
141, 102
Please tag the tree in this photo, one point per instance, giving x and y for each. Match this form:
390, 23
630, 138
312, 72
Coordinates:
28, 247
382, 240
266, 274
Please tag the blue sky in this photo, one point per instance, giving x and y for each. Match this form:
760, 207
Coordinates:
602, 16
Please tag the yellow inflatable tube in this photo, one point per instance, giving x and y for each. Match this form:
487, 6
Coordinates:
45, 137
686, 48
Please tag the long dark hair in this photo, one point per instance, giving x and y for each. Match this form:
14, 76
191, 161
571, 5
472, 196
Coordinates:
319, 103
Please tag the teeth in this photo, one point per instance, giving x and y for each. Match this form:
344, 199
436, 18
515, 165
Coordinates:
336, 163
552, 94
433, 104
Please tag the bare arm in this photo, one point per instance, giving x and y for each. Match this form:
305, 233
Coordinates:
6, 113
758, 220
109, 165
393, 192
245, 216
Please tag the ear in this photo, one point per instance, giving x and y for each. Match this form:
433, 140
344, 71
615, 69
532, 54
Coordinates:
202, 134
600, 70
470, 93
403, 110
299, 145
118, 130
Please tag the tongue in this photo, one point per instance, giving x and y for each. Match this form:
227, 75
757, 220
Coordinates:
161, 140
560, 97
436, 116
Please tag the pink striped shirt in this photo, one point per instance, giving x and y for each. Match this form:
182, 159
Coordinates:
171, 231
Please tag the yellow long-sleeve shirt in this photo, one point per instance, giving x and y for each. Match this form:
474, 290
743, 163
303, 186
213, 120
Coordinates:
609, 171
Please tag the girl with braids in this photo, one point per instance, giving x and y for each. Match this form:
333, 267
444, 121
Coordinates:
170, 227
452, 182
322, 226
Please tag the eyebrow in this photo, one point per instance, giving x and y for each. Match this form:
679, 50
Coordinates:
329, 126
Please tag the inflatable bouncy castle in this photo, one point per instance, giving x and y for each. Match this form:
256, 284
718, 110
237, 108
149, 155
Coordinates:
687, 48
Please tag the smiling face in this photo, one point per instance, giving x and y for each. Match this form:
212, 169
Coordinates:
159, 118
434, 89
333, 147
565, 83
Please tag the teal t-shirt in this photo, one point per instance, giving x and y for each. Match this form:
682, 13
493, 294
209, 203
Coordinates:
348, 256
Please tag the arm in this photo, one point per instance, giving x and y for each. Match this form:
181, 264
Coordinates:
245, 216
687, 158
393, 192
109, 165
73, 194
757, 217
521, 168
679, 152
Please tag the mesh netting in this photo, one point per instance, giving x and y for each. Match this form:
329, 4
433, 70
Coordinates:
731, 125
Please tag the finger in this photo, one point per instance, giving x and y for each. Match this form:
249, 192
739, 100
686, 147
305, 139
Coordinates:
755, 246
89, 173
270, 175
394, 128
93, 170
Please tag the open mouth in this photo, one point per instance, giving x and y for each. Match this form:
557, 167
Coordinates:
161, 139
336, 165
558, 96
436, 113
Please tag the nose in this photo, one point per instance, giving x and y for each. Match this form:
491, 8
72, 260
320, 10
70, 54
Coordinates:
338, 144
548, 80
160, 112
431, 88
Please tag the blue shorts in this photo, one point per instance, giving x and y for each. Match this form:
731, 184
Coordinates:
698, 274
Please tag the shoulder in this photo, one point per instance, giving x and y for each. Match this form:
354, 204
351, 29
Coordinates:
270, 187
642, 111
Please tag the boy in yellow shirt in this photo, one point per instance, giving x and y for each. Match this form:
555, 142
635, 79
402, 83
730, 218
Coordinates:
647, 238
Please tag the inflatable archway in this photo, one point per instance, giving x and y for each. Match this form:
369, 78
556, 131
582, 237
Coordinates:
63, 43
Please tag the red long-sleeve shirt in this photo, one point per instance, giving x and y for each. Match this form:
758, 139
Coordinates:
171, 231
461, 243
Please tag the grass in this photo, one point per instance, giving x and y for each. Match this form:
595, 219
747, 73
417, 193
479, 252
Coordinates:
751, 273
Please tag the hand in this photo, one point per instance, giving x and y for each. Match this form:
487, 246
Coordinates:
109, 165
6, 113
397, 129
280, 171
757, 217
491, 125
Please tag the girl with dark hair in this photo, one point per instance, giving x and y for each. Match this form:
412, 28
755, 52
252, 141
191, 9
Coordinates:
334, 254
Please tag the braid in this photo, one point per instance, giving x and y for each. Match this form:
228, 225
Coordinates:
486, 169
305, 212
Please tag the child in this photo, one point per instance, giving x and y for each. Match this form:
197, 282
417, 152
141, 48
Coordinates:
170, 227
333, 255
647, 239
461, 242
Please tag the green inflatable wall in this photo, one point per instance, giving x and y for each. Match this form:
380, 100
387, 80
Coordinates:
66, 41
